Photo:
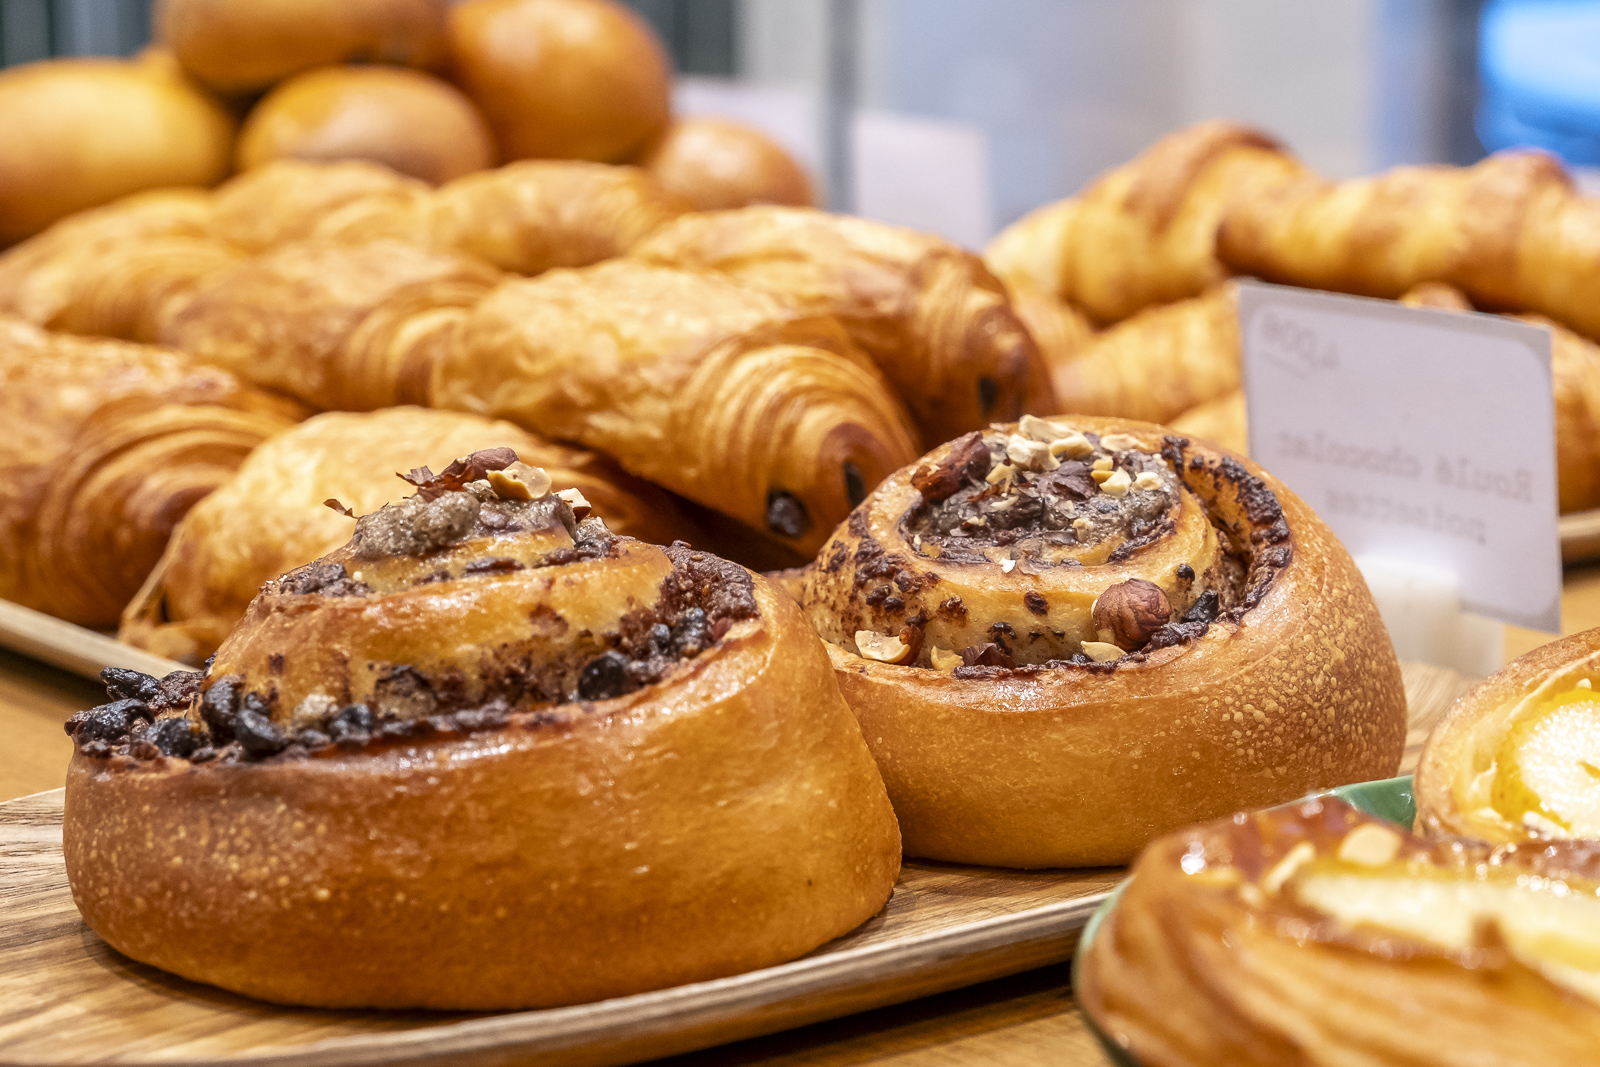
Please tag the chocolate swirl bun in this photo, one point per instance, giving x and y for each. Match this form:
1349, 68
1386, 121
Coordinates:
1063, 637
486, 755
1319, 936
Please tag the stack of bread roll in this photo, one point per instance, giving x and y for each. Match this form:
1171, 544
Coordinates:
432, 89
1126, 284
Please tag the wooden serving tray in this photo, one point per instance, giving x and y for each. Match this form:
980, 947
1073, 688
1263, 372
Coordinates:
68, 998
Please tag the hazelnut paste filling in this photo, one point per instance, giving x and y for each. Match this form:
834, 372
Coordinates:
485, 518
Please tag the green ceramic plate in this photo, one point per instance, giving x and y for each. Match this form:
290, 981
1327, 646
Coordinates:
1389, 799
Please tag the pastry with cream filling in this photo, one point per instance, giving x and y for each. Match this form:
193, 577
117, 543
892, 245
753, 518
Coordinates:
1322, 936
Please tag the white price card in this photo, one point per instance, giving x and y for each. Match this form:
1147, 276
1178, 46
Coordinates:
1418, 434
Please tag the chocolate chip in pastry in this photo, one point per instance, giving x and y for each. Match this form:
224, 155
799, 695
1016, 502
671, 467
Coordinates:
1064, 636
486, 755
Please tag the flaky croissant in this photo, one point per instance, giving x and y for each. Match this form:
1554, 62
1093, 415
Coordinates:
337, 325
271, 515
716, 391
1320, 936
1145, 232
50, 278
1066, 636
1062, 334
486, 755
1512, 232
1157, 364
285, 200
939, 325
525, 217
108, 445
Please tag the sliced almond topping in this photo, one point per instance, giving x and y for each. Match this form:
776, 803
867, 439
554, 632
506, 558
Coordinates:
1007, 565
1003, 505
1370, 845
1298, 856
580, 507
1119, 442
1072, 446
1003, 473
943, 660
1082, 526
1104, 463
1147, 480
519, 482
1100, 477
1117, 485
1101, 651
882, 647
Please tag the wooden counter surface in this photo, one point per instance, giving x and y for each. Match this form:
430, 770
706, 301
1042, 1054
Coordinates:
1028, 1019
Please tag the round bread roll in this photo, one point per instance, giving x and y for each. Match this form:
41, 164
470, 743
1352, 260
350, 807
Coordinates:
405, 119
83, 132
244, 46
1320, 936
715, 163
1518, 757
485, 756
1062, 638
562, 79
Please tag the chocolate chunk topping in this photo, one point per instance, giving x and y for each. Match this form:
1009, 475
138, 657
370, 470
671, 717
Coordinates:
111, 722
122, 683
254, 730
605, 677
1206, 607
785, 514
175, 736
493, 565
458, 474
322, 579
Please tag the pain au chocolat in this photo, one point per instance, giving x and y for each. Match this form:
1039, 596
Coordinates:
1320, 936
486, 755
1065, 637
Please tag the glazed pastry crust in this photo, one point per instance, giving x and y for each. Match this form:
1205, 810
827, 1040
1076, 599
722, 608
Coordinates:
1081, 765
1145, 232
1206, 961
1511, 231
938, 324
725, 818
1158, 364
42, 279
1456, 769
291, 319
718, 392
270, 516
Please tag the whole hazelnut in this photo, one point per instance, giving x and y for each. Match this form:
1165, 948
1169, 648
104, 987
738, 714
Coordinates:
1131, 612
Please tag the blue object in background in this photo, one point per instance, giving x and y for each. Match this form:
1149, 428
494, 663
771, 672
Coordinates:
1539, 69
